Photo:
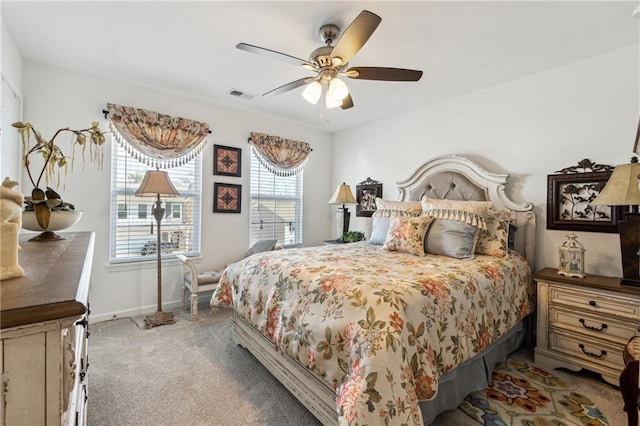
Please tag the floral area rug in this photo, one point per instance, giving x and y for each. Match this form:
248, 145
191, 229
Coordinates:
523, 394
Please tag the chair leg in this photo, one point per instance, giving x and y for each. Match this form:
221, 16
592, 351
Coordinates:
194, 307
629, 390
184, 297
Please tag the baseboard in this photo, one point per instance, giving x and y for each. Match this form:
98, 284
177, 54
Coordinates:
141, 310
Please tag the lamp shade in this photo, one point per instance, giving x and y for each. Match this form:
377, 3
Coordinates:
621, 188
312, 92
156, 183
343, 195
337, 90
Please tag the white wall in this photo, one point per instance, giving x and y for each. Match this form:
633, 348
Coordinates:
56, 98
528, 128
11, 107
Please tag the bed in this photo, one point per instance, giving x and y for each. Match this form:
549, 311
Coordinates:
373, 334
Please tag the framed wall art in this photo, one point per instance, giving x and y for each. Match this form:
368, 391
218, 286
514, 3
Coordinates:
227, 161
366, 193
569, 196
227, 198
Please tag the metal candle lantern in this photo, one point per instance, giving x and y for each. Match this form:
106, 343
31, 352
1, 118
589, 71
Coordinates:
571, 258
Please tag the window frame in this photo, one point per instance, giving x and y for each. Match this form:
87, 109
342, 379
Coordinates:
126, 175
270, 196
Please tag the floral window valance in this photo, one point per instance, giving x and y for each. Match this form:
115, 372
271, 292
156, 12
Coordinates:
158, 140
283, 157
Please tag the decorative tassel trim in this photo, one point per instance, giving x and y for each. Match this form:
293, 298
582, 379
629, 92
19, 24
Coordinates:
393, 213
160, 163
458, 215
277, 170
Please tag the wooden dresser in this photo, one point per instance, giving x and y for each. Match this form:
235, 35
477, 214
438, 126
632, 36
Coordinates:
585, 322
44, 331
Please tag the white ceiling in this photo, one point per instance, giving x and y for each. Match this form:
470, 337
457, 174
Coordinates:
188, 48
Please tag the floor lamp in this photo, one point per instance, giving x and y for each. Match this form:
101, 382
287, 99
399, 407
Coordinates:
155, 184
343, 195
622, 190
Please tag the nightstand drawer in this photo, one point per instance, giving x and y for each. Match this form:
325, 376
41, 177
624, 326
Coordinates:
594, 351
596, 303
597, 326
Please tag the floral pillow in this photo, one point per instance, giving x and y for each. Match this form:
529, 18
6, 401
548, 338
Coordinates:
494, 239
381, 218
406, 234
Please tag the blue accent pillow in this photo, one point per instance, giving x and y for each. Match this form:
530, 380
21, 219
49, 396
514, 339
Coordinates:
451, 238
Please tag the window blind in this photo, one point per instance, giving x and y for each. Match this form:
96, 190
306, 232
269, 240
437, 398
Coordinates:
276, 205
133, 226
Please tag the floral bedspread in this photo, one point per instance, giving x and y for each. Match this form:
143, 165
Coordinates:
380, 327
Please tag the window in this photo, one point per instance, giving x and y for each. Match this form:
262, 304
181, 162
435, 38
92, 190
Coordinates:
276, 206
142, 211
122, 211
133, 237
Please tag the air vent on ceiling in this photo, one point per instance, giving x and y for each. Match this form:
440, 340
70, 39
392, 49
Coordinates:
240, 94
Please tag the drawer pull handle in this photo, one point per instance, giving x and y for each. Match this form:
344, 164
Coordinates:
592, 303
590, 327
602, 352
83, 322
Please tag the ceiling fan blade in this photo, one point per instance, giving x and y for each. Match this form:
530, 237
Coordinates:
355, 36
274, 55
289, 86
347, 102
385, 74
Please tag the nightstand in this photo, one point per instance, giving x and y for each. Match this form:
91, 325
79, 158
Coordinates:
585, 322
330, 242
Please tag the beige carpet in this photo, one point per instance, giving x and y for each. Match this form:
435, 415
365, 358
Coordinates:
192, 374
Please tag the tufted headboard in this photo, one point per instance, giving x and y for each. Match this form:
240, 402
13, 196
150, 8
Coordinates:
454, 177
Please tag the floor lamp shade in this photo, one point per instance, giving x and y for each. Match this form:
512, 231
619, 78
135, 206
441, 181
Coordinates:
156, 183
343, 196
622, 189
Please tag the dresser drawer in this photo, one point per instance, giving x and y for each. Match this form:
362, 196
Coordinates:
600, 352
596, 326
595, 303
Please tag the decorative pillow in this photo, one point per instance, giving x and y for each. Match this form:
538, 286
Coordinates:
414, 207
511, 241
471, 212
406, 234
493, 239
451, 238
381, 223
260, 246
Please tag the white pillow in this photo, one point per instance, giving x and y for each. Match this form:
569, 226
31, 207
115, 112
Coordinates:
414, 207
471, 212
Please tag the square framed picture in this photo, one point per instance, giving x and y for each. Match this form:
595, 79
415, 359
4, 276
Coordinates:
366, 193
569, 207
227, 161
227, 198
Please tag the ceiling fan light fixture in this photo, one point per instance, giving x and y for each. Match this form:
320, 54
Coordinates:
331, 102
337, 90
312, 92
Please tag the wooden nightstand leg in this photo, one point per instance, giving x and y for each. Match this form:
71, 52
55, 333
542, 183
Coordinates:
629, 390
194, 307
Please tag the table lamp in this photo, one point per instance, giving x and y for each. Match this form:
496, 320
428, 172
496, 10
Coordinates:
343, 195
622, 190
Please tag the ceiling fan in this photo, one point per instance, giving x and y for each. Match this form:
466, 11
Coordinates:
330, 62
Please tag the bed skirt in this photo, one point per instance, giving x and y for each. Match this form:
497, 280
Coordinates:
472, 375
318, 398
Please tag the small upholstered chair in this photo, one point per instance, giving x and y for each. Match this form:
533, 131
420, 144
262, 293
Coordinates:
197, 282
